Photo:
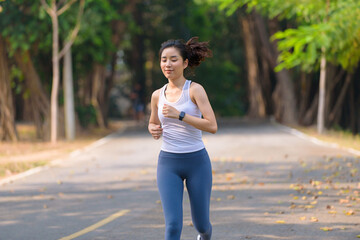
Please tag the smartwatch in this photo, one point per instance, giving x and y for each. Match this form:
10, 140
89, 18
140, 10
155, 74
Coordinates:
181, 115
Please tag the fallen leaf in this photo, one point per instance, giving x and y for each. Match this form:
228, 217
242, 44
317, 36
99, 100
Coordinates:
109, 196
229, 176
349, 213
158, 201
332, 212
280, 221
326, 229
231, 197
314, 219
303, 218
341, 201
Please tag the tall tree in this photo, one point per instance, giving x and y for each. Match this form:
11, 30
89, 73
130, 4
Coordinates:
256, 98
24, 33
7, 113
55, 9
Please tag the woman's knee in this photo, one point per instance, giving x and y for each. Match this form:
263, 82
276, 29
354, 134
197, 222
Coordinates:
174, 228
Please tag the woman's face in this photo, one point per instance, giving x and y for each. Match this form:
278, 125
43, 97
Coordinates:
172, 64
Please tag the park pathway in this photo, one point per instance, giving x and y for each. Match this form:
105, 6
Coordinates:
267, 184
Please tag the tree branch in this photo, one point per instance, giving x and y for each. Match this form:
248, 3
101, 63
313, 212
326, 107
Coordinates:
65, 7
75, 31
47, 8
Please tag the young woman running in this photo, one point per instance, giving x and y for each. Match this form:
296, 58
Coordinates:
180, 111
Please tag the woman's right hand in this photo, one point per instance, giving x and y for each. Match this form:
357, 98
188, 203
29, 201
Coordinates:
155, 131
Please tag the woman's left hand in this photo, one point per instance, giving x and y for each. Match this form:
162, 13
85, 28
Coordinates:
170, 112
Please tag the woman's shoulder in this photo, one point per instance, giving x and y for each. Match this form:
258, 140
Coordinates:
156, 93
196, 87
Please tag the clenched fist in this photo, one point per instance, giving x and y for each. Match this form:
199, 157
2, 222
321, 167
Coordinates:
155, 131
170, 112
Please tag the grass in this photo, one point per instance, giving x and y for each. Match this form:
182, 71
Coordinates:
11, 168
30, 152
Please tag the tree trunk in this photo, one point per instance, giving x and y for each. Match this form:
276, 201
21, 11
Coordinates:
352, 109
322, 84
256, 99
305, 90
331, 83
56, 73
340, 100
69, 110
96, 92
265, 82
7, 112
38, 100
283, 95
311, 112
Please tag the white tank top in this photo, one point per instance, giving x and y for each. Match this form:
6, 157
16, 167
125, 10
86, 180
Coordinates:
178, 136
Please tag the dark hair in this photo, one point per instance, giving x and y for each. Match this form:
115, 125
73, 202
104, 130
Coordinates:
193, 50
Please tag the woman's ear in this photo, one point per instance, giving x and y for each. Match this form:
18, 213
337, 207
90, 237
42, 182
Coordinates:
186, 63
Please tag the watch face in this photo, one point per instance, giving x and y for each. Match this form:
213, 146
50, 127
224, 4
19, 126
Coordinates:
182, 115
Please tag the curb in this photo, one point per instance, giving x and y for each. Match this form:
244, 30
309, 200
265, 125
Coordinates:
314, 140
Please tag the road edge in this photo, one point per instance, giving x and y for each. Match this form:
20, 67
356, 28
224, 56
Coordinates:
312, 139
60, 161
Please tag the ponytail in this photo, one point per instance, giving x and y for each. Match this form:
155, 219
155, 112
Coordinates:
197, 51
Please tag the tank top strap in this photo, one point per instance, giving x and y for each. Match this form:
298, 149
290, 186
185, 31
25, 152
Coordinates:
162, 94
186, 90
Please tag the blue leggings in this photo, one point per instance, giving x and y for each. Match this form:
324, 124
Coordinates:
172, 170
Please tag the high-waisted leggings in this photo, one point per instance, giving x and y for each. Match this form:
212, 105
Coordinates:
195, 169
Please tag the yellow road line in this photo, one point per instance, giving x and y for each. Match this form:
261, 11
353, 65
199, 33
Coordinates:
96, 225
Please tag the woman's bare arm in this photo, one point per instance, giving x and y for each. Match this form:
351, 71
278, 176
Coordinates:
154, 122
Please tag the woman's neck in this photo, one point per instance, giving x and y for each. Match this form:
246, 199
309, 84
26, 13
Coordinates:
177, 83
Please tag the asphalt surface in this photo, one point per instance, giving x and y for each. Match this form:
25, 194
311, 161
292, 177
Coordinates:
267, 184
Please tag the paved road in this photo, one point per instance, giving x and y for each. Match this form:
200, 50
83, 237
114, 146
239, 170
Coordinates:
268, 184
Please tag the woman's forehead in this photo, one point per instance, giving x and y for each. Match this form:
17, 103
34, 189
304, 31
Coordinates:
170, 51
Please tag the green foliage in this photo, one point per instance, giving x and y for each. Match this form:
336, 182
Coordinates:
21, 24
330, 25
16, 85
87, 115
